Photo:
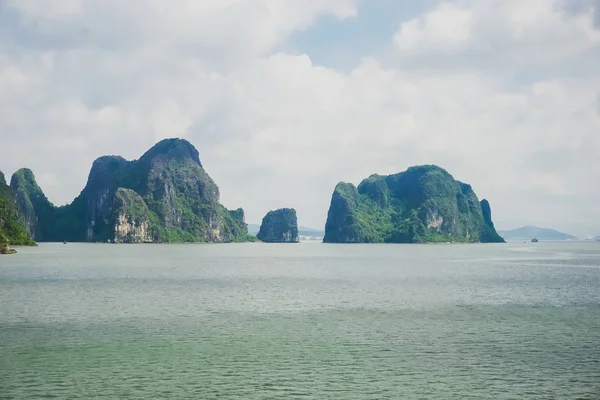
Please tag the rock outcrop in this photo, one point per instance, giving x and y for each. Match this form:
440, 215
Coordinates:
489, 233
37, 211
279, 226
132, 218
165, 196
12, 225
4, 245
422, 204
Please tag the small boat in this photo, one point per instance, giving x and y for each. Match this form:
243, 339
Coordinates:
64, 242
534, 240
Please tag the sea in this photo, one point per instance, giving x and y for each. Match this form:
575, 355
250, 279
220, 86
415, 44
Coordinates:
301, 321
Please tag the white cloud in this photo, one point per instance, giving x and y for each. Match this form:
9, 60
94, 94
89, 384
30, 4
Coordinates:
448, 28
510, 34
504, 94
229, 29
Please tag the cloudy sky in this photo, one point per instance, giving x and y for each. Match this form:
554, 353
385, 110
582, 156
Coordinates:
284, 98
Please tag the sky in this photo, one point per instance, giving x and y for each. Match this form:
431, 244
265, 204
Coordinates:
285, 98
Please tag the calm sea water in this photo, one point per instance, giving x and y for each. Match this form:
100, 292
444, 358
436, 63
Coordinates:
313, 321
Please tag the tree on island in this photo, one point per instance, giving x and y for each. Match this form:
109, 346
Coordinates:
4, 248
3, 242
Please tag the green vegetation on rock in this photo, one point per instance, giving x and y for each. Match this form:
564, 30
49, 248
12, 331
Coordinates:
165, 196
131, 218
39, 214
489, 233
279, 226
12, 225
423, 204
4, 245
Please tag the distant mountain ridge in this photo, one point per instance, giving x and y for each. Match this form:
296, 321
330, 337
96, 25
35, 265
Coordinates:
253, 229
530, 232
306, 231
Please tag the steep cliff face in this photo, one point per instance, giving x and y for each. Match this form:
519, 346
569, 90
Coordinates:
178, 199
39, 214
105, 177
12, 225
279, 226
342, 225
131, 218
422, 204
488, 234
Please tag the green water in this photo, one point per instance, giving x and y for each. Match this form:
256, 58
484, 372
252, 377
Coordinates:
312, 321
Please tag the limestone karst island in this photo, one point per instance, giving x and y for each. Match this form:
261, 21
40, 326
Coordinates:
279, 226
423, 204
166, 196
12, 229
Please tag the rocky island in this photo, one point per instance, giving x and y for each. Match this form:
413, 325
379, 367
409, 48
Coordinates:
12, 226
164, 196
423, 204
279, 226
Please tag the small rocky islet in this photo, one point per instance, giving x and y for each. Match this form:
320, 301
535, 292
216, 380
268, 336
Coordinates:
279, 226
166, 196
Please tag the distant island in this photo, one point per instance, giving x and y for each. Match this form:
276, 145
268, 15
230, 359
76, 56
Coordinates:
303, 231
279, 226
310, 233
421, 205
530, 232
